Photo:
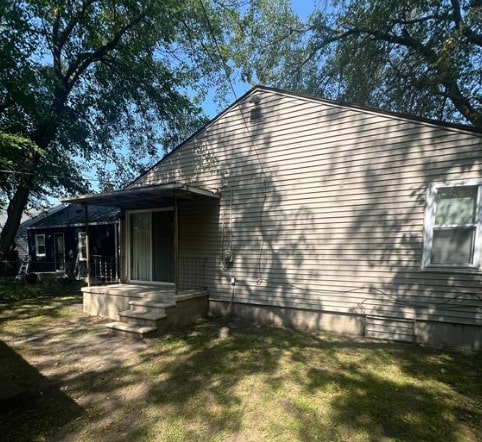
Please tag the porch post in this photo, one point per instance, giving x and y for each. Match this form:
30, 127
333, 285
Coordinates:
176, 247
116, 248
87, 248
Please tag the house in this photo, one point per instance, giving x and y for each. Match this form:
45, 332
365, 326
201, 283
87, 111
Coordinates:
57, 243
9, 268
316, 215
21, 242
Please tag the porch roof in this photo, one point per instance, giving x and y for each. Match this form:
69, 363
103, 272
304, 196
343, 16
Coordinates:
144, 197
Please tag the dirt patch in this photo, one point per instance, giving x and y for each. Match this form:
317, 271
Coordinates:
69, 371
46, 363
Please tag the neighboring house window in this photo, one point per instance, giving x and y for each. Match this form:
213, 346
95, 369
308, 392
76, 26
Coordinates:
452, 225
40, 245
82, 247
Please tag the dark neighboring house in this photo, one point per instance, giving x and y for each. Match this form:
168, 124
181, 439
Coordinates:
10, 267
21, 243
57, 243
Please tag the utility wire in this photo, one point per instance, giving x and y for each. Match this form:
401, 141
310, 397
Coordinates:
248, 130
17, 172
269, 281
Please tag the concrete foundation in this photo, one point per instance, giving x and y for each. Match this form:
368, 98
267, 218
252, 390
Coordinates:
305, 320
461, 336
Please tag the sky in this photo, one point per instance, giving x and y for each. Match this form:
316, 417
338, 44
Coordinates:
303, 8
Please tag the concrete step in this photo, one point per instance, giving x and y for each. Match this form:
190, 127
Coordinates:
168, 298
131, 330
146, 305
141, 318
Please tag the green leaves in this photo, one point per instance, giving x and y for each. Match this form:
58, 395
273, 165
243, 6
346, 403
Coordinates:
13, 151
418, 57
81, 77
100, 87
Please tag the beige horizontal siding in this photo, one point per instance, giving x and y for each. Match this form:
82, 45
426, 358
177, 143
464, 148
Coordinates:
323, 208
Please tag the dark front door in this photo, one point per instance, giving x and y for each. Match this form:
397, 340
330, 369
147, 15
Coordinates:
59, 251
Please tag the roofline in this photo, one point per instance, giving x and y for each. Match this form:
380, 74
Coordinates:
195, 134
173, 189
372, 110
60, 226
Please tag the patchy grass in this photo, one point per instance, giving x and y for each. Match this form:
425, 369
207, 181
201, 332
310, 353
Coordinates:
260, 383
13, 291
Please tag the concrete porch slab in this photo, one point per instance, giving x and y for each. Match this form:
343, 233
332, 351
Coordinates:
133, 290
109, 300
112, 301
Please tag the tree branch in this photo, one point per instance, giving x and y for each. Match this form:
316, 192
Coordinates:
415, 20
461, 26
336, 36
85, 59
461, 103
65, 34
456, 13
56, 46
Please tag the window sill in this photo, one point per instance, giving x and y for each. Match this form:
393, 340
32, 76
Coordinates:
452, 269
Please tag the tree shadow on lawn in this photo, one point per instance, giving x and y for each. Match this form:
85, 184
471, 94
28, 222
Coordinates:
32, 407
192, 385
390, 391
384, 391
193, 374
15, 291
47, 306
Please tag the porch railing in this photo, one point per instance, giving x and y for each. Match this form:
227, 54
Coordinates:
192, 273
103, 270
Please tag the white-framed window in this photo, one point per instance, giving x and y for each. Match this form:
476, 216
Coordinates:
40, 250
82, 246
452, 230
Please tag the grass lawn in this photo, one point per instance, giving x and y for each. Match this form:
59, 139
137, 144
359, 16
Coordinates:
10, 291
260, 383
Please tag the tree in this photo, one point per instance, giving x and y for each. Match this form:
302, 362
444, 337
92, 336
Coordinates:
94, 82
268, 43
12, 151
417, 56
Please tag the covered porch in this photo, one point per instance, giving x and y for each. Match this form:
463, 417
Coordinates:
159, 285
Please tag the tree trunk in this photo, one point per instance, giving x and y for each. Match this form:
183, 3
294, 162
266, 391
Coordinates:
14, 211
42, 138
